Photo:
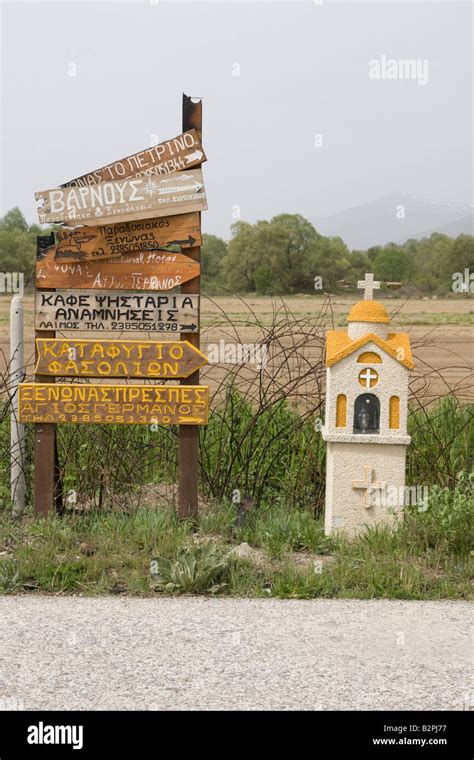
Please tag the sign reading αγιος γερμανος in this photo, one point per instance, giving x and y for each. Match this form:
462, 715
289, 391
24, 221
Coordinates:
113, 404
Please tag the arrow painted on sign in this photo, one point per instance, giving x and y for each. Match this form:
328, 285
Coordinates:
192, 326
131, 200
195, 156
74, 255
82, 357
189, 241
195, 188
191, 420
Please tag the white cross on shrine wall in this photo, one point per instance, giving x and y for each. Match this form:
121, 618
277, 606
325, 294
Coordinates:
368, 375
369, 485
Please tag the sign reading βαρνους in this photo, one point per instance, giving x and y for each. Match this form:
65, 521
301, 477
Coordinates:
124, 200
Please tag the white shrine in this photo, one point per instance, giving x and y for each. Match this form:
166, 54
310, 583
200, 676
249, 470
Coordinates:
366, 416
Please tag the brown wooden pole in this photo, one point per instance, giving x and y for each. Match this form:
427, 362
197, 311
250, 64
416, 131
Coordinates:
45, 455
189, 434
47, 485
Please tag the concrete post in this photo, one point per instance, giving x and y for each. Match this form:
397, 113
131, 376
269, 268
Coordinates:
17, 430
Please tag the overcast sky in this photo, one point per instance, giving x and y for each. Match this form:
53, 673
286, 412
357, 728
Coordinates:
304, 71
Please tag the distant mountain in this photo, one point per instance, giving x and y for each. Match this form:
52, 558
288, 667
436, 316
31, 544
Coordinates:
377, 223
464, 226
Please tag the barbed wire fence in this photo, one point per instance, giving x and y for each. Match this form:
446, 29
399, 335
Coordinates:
264, 434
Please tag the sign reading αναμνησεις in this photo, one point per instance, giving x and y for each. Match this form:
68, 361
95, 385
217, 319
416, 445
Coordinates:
116, 311
76, 357
179, 153
124, 200
113, 404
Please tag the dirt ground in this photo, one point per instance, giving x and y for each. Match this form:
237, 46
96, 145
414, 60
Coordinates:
440, 329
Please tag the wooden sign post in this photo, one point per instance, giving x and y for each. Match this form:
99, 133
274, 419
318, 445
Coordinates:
115, 311
124, 200
134, 233
188, 457
145, 270
110, 240
76, 357
47, 486
113, 404
178, 154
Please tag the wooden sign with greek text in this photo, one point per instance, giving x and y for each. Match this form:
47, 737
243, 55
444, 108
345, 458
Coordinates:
109, 240
182, 152
150, 270
113, 404
116, 311
77, 357
124, 200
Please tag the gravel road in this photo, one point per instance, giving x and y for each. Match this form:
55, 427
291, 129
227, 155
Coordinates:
69, 653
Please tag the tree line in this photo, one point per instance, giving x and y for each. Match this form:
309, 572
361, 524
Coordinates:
286, 255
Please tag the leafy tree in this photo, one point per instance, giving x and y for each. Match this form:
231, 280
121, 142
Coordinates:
359, 264
284, 256
392, 264
238, 268
332, 260
263, 280
14, 220
272, 257
213, 253
18, 244
430, 259
462, 254
373, 252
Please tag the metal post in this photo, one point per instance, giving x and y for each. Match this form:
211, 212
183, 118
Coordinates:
17, 429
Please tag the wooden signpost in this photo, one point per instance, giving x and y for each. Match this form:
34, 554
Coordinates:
128, 224
180, 153
75, 357
110, 240
116, 311
124, 200
145, 270
113, 404
188, 456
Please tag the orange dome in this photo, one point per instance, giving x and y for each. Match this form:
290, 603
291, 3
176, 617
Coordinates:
368, 311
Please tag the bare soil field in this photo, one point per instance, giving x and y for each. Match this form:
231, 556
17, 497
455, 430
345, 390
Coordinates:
440, 329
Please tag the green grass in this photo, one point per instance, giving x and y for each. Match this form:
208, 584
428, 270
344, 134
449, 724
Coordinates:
428, 556
277, 457
280, 530
442, 442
